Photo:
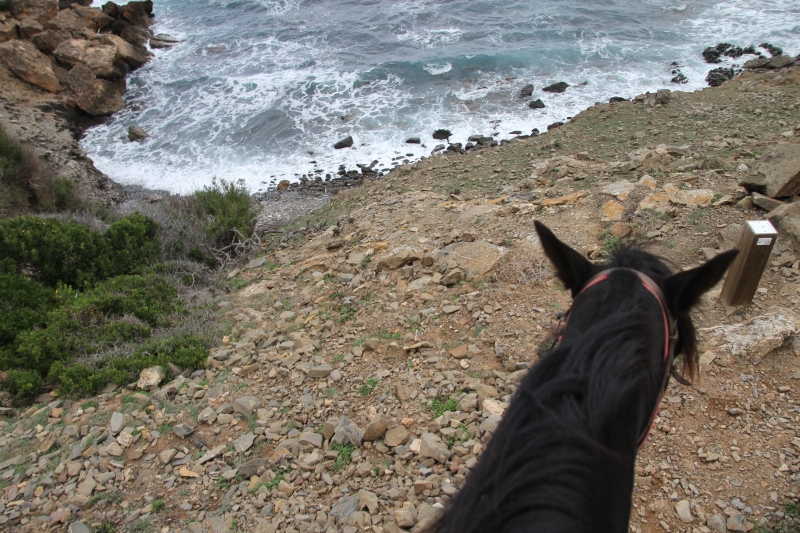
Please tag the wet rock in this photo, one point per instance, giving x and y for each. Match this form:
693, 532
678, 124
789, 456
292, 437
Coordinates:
413, 140
526, 91
135, 133
135, 56
536, 104
718, 76
347, 142
441, 135
559, 87
27, 62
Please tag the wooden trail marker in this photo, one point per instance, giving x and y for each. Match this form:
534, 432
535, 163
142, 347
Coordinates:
755, 245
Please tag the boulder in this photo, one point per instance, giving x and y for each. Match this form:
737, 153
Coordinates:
765, 202
8, 30
149, 378
398, 258
69, 21
135, 35
758, 336
246, 406
559, 87
29, 27
48, 40
619, 189
526, 91
413, 140
536, 104
786, 220
98, 57
42, 10
777, 174
134, 55
95, 96
93, 16
476, 258
27, 62
137, 13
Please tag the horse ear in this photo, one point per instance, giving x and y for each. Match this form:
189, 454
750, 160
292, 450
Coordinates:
572, 268
684, 289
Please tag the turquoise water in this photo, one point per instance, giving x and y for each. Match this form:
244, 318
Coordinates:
258, 88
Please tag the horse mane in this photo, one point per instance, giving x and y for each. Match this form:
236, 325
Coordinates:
686, 347
554, 455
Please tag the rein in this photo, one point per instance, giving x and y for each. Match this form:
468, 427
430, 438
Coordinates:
670, 336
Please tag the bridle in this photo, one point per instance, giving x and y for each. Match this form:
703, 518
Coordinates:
670, 337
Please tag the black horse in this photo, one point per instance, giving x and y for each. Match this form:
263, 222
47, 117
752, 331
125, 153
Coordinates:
562, 459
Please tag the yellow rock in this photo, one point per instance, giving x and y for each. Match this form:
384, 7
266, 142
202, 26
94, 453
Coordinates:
658, 201
649, 182
381, 246
564, 200
185, 472
612, 210
283, 184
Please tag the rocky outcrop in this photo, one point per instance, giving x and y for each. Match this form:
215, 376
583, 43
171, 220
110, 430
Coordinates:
94, 95
97, 57
27, 62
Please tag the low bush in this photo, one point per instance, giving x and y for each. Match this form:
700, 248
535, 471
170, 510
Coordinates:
89, 376
228, 208
120, 310
57, 252
19, 385
23, 305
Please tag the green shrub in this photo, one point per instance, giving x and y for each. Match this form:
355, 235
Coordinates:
132, 244
21, 385
54, 251
73, 254
226, 206
23, 305
120, 310
185, 351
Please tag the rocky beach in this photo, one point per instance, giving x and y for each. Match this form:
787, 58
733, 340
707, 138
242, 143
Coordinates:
374, 337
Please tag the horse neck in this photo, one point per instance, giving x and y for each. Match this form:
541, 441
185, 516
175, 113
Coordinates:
563, 457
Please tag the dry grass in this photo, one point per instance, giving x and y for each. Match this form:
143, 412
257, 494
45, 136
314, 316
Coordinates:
521, 269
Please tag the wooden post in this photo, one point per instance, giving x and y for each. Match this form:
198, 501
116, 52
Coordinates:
755, 245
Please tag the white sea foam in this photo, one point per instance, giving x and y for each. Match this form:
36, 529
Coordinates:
270, 105
434, 69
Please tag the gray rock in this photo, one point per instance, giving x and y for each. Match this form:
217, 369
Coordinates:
183, 430
250, 468
312, 438
116, 424
320, 371
396, 436
717, 523
526, 91
452, 277
244, 443
431, 445
377, 427
246, 405
208, 416
78, 527
368, 500
559, 87
345, 507
765, 202
777, 173
684, 511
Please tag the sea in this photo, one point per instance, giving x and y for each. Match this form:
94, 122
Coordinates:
260, 90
